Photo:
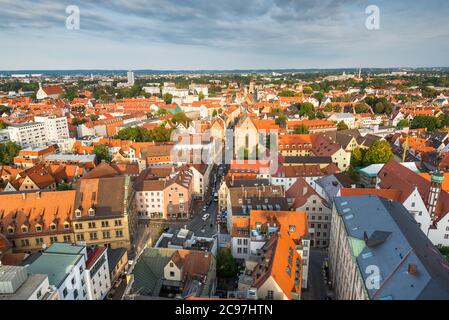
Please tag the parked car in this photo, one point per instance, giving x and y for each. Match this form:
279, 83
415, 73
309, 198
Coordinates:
204, 208
206, 216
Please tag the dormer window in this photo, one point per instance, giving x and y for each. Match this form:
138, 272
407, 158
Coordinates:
78, 213
53, 226
24, 229
10, 230
38, 228
91, 212
66, 225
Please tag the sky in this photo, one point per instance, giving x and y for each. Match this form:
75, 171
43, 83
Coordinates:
222, 34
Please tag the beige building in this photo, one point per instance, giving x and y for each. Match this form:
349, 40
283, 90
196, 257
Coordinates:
105, 212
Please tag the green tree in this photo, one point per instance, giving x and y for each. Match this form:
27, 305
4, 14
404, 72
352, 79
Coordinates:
8, 151
379, 152
443, 120
281, 120
287, 93
342, 126
162, 111
181, 117
422, 121
70, 94
93, 117
214, 113
201, 96
3, 125
403, 123
301, 129
168, 98
357, 157
102, 153
226, 264
307, 90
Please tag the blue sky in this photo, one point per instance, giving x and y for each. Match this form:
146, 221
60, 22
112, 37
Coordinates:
222, 34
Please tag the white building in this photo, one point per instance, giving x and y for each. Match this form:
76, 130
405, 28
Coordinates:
130, 76
42, 132
77, 272
17, 284
347, 118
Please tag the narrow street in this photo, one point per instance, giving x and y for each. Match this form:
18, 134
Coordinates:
317, 289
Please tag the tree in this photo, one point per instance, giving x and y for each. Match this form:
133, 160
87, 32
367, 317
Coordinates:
379, 152
181, 117
162, 111
226, 264
361, 108
357, 157
287, 93
342, 126
307, 90
168, 98
102, 153
201, 96
3, 125
301, 129
443, 120
319, 96
70, 94
403, 123
214, 113
429, 122
93, 117
8, 151
281, 120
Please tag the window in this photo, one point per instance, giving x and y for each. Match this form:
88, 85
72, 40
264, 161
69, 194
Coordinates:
66, 225
292, 228
53, 226
67, 238
172, 274
105, 224
25, 243
91, 225
39, 241
118, 233
64, 292
38, 228
78, 213
413, 204
106, 235
93, 236
80, 237
118, 223
78, 226
24, 229
75, 294
270, 295
53, 239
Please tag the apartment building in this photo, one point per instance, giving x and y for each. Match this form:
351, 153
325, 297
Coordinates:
76, 272
43, 131
378, 252
303, 198
163, 193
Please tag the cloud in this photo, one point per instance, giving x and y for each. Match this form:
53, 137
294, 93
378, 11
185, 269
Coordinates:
276, 32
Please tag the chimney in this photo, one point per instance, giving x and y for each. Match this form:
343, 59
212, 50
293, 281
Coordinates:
38, 194
232, 180
24, 196
412, 269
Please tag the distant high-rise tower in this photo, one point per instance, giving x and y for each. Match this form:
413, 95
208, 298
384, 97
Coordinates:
130, 78
434, 192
